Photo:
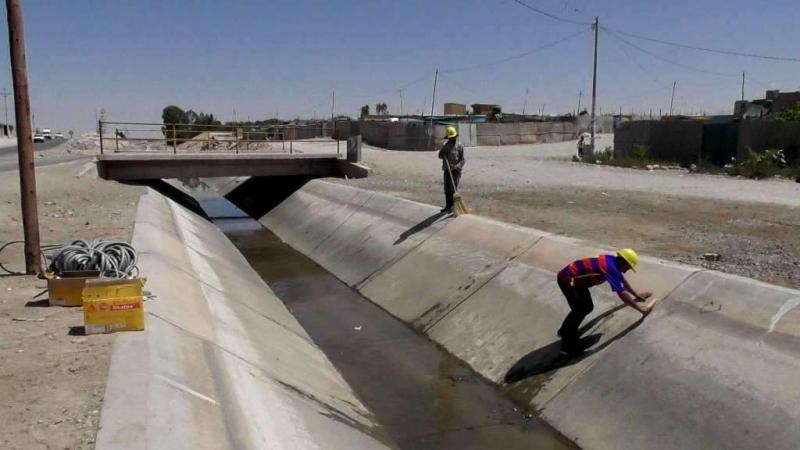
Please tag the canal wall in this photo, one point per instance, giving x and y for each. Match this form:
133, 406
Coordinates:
715, 364
222, 363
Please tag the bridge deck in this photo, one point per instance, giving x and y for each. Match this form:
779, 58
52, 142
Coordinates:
147, 166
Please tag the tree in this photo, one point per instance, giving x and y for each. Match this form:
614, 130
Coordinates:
381, 109
791, 114
364, 110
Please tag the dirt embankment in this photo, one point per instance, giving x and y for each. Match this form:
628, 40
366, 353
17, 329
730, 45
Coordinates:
51, 381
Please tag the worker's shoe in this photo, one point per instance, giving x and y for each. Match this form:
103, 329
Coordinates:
446, 210
573, 347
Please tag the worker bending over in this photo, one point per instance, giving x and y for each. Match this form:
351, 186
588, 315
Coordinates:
452, 154
575, 280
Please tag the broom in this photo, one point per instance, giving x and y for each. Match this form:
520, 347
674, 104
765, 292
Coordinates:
458, 204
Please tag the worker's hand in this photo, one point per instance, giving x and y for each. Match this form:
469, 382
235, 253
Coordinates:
645, 310
646, 295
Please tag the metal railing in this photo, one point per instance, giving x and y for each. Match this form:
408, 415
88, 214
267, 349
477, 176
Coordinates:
130, 137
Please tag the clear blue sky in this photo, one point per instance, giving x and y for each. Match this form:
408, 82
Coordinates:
284, 57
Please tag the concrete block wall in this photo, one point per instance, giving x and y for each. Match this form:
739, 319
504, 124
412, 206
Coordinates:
668, 140
524, 132
760, 135
714, 366
222, 363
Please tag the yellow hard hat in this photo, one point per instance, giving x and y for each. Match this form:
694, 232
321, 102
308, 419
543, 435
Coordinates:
629, 255
451, 132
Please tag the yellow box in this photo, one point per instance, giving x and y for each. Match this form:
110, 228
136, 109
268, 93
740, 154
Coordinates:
68, 290
113, 305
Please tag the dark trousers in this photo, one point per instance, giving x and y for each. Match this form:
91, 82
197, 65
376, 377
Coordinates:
449, 189
580, 303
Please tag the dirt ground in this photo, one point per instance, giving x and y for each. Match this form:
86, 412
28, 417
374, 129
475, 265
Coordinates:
51, 381
752, 225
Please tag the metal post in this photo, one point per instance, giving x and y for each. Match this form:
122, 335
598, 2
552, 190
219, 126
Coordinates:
116, 140
236, 139
291, 140
174, 141
742, 86
100, 132
433, 105
672, 99
208, 139
27, 170
5, 95
594, 80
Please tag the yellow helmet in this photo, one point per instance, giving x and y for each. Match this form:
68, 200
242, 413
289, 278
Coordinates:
451, 132
630, 256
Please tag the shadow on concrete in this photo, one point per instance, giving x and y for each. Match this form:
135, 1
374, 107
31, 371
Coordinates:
420, 226
549, 358
77, 331
256, 196
43, 303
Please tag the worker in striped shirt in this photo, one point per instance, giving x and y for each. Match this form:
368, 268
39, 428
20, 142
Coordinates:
577, 277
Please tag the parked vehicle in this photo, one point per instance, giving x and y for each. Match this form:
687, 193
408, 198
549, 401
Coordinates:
47, 133
38, 137
59, 135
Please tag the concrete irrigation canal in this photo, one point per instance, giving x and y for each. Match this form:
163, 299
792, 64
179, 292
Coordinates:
338, 318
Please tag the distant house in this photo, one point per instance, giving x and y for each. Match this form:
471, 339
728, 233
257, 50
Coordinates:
773, 102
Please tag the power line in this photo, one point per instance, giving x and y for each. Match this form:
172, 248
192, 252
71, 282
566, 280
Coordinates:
711, 50
517, 56
551, 16
661, 58
663, 42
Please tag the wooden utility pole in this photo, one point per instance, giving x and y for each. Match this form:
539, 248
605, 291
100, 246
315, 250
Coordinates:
578, 111
594, 79
672, 99
27, 172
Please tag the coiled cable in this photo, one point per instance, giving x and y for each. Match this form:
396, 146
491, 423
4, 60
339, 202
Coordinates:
115, 259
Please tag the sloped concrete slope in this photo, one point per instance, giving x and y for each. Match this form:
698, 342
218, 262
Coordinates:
715, 366
222, 363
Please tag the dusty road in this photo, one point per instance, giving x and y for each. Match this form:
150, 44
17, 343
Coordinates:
51, 382
673, 214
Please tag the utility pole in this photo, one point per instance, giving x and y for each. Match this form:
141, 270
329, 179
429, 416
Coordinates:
27, 172
742, 86
578, 111
525, 103
401, 101
5, 95
433, 104
594, 79
333, 121
672, 99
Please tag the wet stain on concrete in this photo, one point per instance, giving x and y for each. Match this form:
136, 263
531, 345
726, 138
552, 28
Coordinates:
425, 398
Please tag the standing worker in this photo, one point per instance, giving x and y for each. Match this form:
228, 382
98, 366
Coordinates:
575, 280
452, 154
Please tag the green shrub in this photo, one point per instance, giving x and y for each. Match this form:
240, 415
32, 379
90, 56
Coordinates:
641, 153
761, 165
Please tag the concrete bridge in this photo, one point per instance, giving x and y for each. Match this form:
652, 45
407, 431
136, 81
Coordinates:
144, 166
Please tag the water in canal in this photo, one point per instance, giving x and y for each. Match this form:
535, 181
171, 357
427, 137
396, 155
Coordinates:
423, 397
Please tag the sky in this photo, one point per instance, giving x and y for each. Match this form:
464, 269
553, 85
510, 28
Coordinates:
285, 57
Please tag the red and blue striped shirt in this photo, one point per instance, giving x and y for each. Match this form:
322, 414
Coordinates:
588, 272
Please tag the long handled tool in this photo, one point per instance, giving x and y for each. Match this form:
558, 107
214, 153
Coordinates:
458, 204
